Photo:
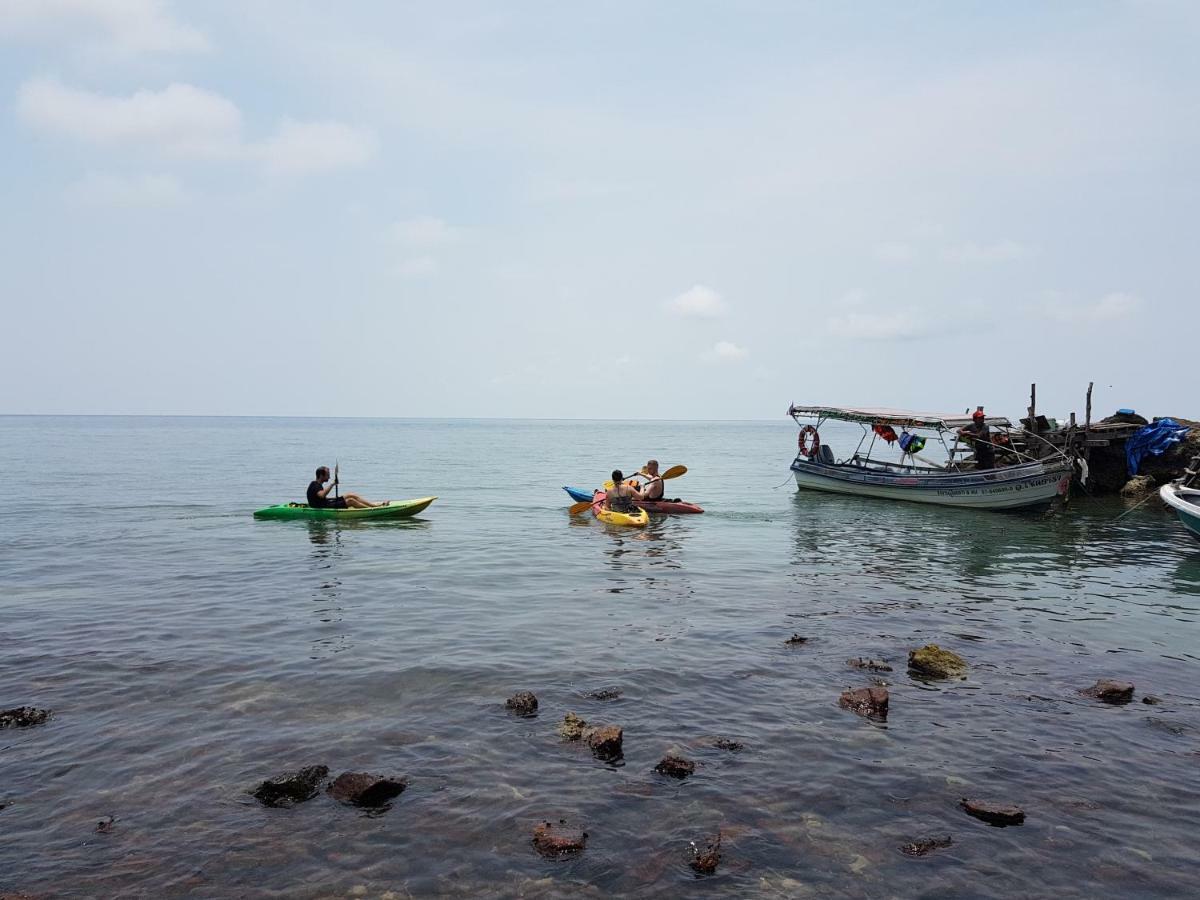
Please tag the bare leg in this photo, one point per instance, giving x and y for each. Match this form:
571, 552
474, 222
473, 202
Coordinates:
356, 502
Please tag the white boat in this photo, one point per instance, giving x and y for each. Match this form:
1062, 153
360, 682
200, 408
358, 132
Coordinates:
1182, 497
1026, 482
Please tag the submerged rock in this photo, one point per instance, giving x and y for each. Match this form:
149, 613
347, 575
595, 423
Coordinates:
727, 744
1108, 691
605, 741
364, 789
105, 825
868, 701
523, 703
934, 662
796, 640
23, 717
871, 665
1151, 700
926, 845
705, 862
295, 787
572, 727
675, 767
605, 694
558, 840
998, 814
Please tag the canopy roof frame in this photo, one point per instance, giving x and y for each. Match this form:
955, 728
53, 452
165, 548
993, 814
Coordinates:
894, 417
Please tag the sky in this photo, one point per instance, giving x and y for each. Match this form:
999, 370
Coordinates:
620, 210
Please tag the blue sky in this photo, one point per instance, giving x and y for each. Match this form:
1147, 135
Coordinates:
680, 210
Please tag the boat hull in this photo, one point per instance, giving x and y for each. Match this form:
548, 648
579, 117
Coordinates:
1011, 487
396, 509
1186, 503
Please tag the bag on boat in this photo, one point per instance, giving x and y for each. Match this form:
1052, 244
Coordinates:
911, 443
887, 432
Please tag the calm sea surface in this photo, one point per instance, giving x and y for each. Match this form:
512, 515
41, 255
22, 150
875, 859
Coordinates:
189, 651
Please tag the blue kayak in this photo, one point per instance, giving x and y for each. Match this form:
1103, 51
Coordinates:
579, 494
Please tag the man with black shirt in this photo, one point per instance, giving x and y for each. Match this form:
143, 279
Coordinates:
318, 495
981, 438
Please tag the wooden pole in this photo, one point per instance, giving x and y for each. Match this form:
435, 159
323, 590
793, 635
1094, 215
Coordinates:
1033, 409
1087, 418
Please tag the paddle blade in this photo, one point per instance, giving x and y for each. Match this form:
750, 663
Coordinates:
673, 472
581, 506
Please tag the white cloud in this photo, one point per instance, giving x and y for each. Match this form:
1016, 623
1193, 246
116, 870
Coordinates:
698, 302
184, 121
417, 267
424, 231
726, 351
124, 27
179, 120
895, 252
1109, 308
870, 326
307, 148
145, 190
1001, 251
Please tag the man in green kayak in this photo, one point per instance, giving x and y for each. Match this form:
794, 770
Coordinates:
318, 495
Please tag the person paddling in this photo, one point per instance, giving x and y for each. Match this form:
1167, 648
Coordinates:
653, 488
318, 495
622, 495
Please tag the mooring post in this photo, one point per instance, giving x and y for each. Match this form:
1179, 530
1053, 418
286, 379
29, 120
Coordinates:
1033, 409
1087, 416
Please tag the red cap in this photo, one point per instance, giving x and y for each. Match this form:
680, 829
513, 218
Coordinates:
978, 414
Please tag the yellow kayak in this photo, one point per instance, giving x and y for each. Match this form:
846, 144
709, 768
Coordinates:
611, 517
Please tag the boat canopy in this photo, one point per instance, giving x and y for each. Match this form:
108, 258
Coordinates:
901, 417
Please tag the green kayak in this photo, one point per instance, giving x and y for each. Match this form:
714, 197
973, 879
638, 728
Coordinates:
395, 509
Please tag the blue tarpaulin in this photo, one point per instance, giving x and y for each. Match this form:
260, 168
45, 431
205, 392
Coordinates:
1153, 439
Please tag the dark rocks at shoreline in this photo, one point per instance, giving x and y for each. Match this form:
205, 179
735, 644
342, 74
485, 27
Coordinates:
556, 841
1138, 486
796, 640
605, 694
605, 742
23, 717
572, 727
705, 862
296, 787
366, 790
871, 702
925, 845
1151, 700
932, 661
522, 703
1106, 690
728, 744
999, 814
871, 665
675, 767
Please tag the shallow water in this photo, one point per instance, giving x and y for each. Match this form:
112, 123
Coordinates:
189, 651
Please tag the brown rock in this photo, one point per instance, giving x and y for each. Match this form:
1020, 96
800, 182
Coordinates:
1151, 700
295, 787
705, 862
1138, 486
730, 745
925, 845
870, 665
675, 767
998, 814
105, 825
572, 727
605, 741
23, 717
868, 701
605, 694
796, 640
1108, 691
558, 840
364, 789
523, 703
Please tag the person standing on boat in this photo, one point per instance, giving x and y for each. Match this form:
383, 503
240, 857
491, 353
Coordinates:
622, 495
653, 488
318, 495
981, 439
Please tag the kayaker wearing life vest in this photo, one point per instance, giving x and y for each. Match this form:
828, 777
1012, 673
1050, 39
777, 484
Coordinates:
318, 495
622, 495
981, 437
653, 488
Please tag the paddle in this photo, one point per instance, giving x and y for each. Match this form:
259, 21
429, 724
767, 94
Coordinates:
336, 466
577, 508
673, 472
